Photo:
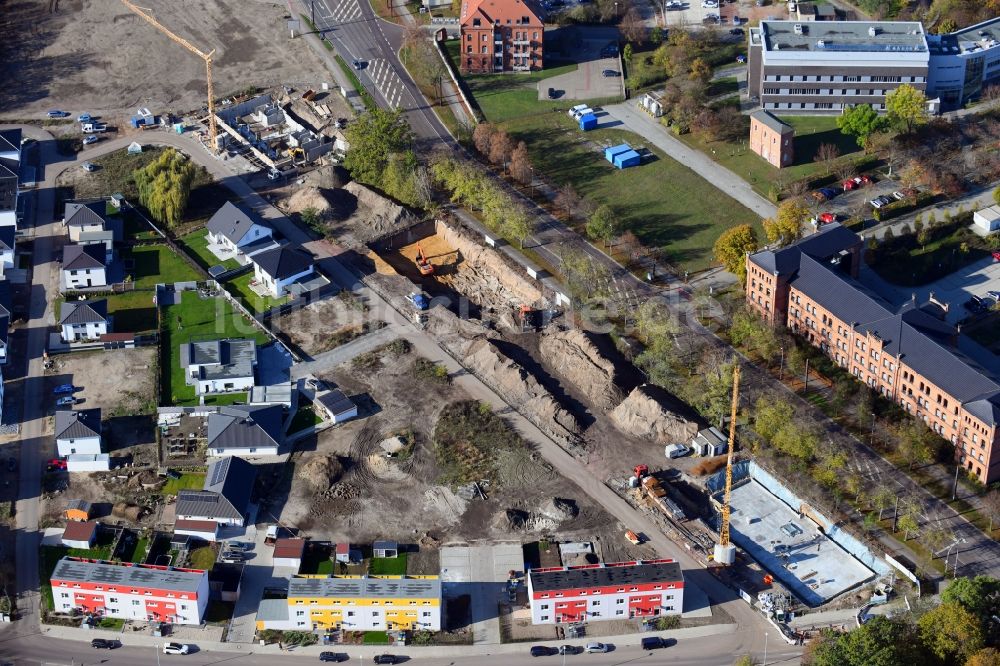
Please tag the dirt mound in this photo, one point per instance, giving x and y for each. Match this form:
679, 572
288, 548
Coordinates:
559, 509
516, 520
522, 390
376, 215
575, 357
647, 412
321, 472
328, 177
305, 198
383, 468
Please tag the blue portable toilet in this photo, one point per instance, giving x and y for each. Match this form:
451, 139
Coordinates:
627, 159
609, 153
588, 122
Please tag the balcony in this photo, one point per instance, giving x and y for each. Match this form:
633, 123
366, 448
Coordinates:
522, 42
522, 68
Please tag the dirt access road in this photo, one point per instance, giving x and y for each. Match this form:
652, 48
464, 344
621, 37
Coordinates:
99, 57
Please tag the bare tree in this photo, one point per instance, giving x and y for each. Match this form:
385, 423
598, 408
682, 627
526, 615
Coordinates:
826, 154
569, 200
520, 164
632, 27
500, 148
991, 503
482, 138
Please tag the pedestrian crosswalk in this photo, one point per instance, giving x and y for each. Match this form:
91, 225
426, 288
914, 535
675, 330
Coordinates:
387, 82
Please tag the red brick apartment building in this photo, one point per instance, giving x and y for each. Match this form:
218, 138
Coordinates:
908, 354
500, 36
612, 591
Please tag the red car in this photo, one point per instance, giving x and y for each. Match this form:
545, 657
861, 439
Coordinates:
849, 185
56, 463
862, 180
827, 218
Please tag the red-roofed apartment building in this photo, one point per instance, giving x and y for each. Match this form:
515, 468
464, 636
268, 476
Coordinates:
611, 591
501, 36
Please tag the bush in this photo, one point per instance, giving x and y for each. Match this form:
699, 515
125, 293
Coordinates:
430, 371
668, 622
897, 208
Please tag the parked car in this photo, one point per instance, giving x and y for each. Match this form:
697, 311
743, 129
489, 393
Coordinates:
84, 118
65, 401
64, 388
89, 139
238, 546
736, 31
358, 64
385, 659
995, 295
712, 18
899, 196
419, 301
176, 648
232, 557
541, 651
883, 200
709, 4
55, 463
89, 166
742, 59
608, 73
676, 450
105, 644
827, 218
596, 648
654, 643
849, 185
56, 113
569, 649
335, 657
863, 180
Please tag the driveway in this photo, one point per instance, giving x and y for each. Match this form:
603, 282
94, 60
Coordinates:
722, 178
481, 571
257, 574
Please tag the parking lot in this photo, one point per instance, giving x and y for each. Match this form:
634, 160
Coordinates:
593, 48
854, 203
691, 12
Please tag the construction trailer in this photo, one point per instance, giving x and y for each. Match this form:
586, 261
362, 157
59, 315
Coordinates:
609, 153
629, 158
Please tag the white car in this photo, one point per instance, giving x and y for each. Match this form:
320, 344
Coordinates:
595, 648
89, 139
709, 4
176, 648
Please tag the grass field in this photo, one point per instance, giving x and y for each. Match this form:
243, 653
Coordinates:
202, 558
306, 417
133, 311
663, 203
196, 319
188, 481
388, 566
197, 244
158, 263
810, 132
240, 288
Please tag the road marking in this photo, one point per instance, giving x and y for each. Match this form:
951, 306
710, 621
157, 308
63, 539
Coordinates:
389, 84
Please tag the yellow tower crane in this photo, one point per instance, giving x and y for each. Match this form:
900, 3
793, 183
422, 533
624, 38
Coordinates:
725, 551
207, 57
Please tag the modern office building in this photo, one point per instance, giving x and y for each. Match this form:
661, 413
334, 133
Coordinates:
964, 62
909, 354
356, 603
612, 591
832, 65
501, 36
131, 591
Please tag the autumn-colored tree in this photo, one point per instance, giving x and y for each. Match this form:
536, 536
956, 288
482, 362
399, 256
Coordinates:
482, 138
569, 200
951, 632
985, 657
786, 226
629, 244
906, 107
500, 148
164, 186
731, 249
520, 164
700, 71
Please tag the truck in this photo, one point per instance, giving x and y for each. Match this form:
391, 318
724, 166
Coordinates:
91, 128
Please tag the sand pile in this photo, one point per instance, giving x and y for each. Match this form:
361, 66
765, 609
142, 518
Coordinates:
648, 412
376, 215
576, 359
321, 472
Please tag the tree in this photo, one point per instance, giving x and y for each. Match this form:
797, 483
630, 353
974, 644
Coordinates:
860, 121
991, 502
700, 71
656, 35
500, 148
951, 632
482, 138
826, 154
906, 107
164, 186
732, 247
373, 138
907, 524
603, 224
879, 642
627, 53
519, 224
882, 499
629, 244
752, 334
996, 196
632, 27
979, 595
786, 226
985, 657
569, 200
937, 538
915, 443
746, 660
520, 164
771, 415
420, 56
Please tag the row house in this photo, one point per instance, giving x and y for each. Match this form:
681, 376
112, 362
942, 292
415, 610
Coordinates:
607, 591
908, 355
140, 592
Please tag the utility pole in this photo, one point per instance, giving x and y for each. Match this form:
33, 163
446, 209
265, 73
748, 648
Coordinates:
954, 486
312, 12
806, 387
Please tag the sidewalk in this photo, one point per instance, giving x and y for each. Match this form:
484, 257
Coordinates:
86, 635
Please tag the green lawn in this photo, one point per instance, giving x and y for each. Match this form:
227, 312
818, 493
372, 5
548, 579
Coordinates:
240, 288
662, 202
906, 263
49, 557
188, 481
139, 554
134, 311
723, 86
158, 263
111, 623
388, 566
306, 417
196, 318
810, 132
376, 638
197, 243
202, 558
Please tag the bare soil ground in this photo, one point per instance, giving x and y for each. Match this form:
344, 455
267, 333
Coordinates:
328, 323
399, 498
84, 55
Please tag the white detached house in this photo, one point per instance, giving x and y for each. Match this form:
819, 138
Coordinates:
278, 268
78, 432
83, 320
84, 266
235, 231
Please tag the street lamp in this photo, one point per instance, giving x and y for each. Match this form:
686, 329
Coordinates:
765, 649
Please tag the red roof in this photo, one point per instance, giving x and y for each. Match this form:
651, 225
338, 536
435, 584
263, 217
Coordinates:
117, 337
80, 531
499, 10
289, 548
343, 549
196, 525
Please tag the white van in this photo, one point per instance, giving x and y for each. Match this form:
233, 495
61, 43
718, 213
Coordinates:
90, 128
575, 111
676, 450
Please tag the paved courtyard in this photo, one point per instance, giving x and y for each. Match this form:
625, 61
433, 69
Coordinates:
791, 547
482, 572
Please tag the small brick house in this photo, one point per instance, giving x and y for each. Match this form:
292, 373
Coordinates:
772, 139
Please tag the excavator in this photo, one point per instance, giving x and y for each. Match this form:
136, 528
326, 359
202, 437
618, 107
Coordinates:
423, 265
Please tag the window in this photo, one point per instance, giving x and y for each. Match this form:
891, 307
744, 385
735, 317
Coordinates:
544, 618
545, 606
